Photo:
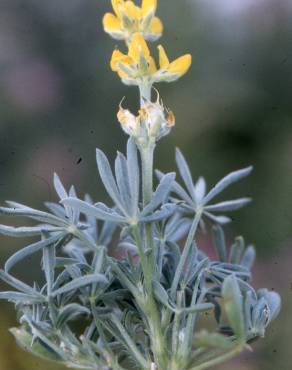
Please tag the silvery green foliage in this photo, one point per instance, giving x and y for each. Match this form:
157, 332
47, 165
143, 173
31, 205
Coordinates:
92, 311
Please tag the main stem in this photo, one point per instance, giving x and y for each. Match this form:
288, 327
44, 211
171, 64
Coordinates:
147, 154
151, 309
145, 92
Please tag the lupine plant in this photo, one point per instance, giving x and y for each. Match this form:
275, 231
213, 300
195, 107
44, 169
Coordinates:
164, 305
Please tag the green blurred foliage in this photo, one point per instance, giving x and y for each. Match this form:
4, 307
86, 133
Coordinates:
58, 102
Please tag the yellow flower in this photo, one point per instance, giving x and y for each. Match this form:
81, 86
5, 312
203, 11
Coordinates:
172, 71
138, 67
130, 19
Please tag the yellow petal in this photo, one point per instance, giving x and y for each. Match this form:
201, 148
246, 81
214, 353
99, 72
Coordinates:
163, 59
149, 6
156, 26
117, 57
123, 75
111, 23
181, 65
152, 65
117, 4
137, 47
132, 11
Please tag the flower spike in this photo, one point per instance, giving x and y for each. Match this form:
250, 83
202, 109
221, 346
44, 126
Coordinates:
138, 66
130, 19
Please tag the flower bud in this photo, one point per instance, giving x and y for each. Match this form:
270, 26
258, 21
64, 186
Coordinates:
152, 122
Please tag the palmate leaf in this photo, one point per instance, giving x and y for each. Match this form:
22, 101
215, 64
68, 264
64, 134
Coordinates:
212, 340
31, 249
63, 222
70, 312
230, 205
133, 173
228, 180
20, 232
161, 193
23, 298
17, 284
62, 193
66, 212
39, 333
61, 262
176, 227
162, 296
34, 214
237, 249
108, 179
25, 289
194, 269
49, 261
122, 178
177, 189
248, 257
240, 259
219, 241
220, 271
220, 220
106, 233
185, 173
102, 212
124, 191
80, 282
25, 341
194, 198
200, 189
164, 212
99, 210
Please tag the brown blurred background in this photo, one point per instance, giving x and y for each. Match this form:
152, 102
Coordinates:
58, 102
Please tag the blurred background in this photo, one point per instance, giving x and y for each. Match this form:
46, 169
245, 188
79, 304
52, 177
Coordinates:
58, 102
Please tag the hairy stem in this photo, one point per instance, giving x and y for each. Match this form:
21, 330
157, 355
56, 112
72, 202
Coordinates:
150, 308
146, 250
147, 156
145, 91
146, 267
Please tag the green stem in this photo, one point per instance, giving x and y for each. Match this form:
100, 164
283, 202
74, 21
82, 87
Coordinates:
146, 268
147, 157
149, 306
145, 91
147, 154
